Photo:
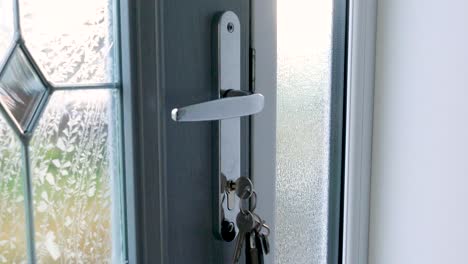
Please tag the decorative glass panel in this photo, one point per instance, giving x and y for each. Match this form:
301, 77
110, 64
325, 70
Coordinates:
70, 39
75, 174
21, 89
6, 27
12, 211
304, 90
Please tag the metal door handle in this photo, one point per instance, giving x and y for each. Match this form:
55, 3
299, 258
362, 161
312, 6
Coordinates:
231, 104
229, 107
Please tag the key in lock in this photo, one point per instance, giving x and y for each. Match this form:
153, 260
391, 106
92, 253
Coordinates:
242, 188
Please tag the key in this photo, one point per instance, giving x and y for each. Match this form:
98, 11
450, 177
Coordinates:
258, 244
242, 188
263, 237
265, 243
245, 223
254, 250
251, 249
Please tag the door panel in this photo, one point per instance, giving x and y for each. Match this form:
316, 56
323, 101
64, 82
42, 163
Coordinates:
189, 66
167, 53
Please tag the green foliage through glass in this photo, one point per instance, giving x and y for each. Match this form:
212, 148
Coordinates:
12, 211
73, 157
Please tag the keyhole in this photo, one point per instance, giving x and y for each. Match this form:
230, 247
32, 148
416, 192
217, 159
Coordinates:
230, 27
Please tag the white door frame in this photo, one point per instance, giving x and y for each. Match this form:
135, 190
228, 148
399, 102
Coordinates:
358, 134
360, 90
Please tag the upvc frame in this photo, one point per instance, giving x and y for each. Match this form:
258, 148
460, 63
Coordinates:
358, 146
140, 24
263, 125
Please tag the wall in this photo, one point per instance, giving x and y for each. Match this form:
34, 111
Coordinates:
419, 184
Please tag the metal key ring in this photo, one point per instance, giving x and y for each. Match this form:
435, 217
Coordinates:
253, 205
260, 224
259, 221
267, 228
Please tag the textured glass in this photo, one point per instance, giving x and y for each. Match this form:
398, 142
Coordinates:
12, 220
75, 165
304, 72
20, 89
70, 39
6, 27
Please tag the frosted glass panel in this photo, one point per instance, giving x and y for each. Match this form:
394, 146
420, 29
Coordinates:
12, 220
21, 90
304, 73
6, 27
70, 39
75, 172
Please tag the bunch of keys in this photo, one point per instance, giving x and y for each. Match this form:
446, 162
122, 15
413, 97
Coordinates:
253, 231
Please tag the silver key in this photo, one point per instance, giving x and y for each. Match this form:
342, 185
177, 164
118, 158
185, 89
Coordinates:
265, 243
242, 187
264, 237
245, 223
253, 253
259, 226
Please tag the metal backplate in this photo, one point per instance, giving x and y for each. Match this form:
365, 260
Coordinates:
228, 78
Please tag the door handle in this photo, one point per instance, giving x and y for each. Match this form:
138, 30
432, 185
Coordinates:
234, 104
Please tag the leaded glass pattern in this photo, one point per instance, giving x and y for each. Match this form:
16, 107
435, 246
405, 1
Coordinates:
71, 40
6, 27
12, 211
60, 172
21, 90
73, 165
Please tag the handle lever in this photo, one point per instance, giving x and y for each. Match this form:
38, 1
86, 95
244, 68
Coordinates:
224, 108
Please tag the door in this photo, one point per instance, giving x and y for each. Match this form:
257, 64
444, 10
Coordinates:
190, 51
96, 164
66, 68
172, 56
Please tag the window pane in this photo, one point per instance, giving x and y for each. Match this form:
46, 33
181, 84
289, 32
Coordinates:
304, 73
21, 89
6, 26
12, 211
75, 174
70, 39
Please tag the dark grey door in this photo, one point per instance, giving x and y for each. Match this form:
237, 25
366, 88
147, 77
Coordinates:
171, 63
189, 74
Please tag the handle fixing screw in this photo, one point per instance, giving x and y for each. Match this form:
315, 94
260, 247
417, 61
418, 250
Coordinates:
230, 27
